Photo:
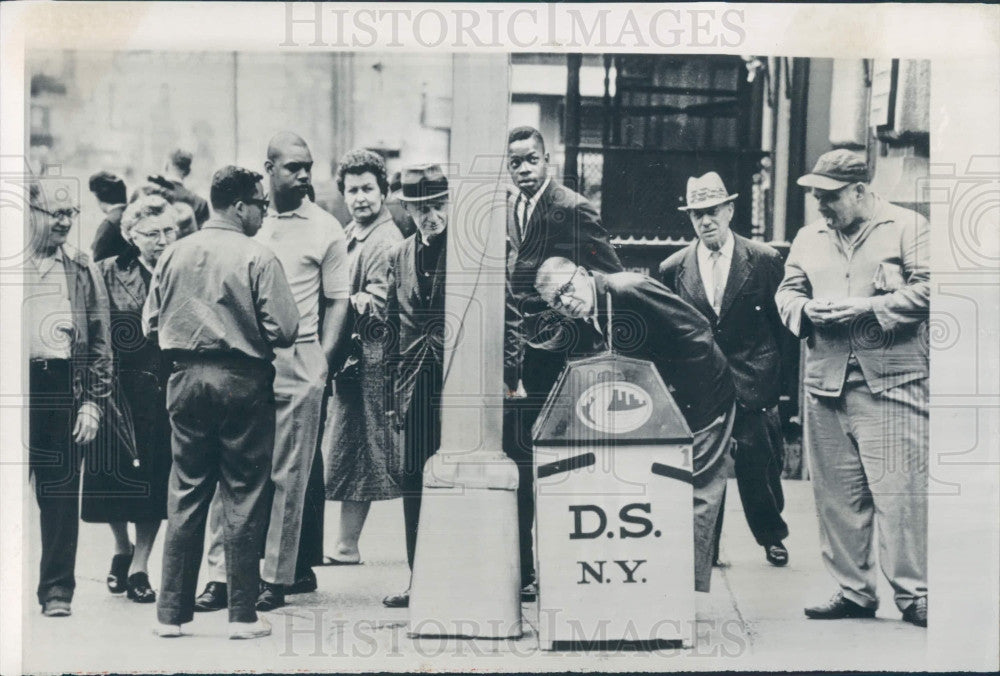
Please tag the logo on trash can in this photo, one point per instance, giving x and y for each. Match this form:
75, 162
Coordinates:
614, 407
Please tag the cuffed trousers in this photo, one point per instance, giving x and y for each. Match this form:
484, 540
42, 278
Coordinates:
868, 459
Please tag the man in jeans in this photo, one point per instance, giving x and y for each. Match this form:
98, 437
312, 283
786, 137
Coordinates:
219, 305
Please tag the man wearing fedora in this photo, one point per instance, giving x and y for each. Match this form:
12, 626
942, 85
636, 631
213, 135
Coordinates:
544, 219
731, 281
415, 314
857, 290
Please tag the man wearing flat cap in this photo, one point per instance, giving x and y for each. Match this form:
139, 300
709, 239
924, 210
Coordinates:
415, 314
731, 280
857, 290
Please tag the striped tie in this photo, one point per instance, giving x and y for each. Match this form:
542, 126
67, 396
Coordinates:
718, 281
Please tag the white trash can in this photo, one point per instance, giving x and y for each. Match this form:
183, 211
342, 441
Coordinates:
613, 508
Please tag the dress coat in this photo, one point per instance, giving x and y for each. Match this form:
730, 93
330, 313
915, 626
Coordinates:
563, 223
416, 329
748, 328
749, 332
130, 484
362, 459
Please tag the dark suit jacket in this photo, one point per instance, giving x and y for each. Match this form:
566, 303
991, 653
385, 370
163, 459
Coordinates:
108, 241
651, 322
749, 329
416, 326
564, 223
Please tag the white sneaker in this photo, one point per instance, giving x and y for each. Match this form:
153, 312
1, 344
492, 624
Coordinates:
241, 630
167, 630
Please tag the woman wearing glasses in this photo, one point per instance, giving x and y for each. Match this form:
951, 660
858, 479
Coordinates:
120, 488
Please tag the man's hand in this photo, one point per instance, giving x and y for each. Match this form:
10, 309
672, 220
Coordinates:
362, 302
88, 419
818, 311
848, 309
519, 393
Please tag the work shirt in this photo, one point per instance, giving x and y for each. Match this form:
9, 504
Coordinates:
219, 292
47, 309
312, 248
886, 262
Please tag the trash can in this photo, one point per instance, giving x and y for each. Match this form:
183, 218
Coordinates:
613, 508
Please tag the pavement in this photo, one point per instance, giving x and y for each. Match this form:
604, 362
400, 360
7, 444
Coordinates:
752, 618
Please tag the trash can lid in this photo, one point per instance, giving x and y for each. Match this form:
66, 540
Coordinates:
610, 400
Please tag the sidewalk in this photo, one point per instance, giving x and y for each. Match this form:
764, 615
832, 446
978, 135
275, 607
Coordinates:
752, 619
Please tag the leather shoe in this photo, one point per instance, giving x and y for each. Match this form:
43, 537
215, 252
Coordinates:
119, 571
303, 584
776, 554
529, 593
213, 598
837, 608
138, 589
272, 596
916, 612
397, 600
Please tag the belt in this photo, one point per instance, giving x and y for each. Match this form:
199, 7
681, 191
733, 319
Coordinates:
49, 364
233, 358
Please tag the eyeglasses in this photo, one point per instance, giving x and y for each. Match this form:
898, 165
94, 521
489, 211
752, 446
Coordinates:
166, 233
69, 212
564, 290
263, 204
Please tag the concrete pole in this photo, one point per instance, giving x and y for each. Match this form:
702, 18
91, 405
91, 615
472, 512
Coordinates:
466, 573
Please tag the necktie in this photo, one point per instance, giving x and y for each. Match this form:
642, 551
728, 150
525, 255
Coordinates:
521, 211
718, 281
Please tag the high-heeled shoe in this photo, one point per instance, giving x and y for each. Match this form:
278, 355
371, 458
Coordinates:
138, 588
119, 572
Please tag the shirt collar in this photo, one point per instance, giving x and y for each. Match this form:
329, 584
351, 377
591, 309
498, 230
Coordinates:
302, 211
144, 264
530, 202
360, 232
220, 224
437, 240
704, 253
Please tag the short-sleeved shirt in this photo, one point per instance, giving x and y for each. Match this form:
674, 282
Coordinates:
312, 248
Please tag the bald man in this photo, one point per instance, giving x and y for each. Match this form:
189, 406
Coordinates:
678, 340
312, 249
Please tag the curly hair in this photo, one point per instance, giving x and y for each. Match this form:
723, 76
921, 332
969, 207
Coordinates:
361, 162
146, 206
